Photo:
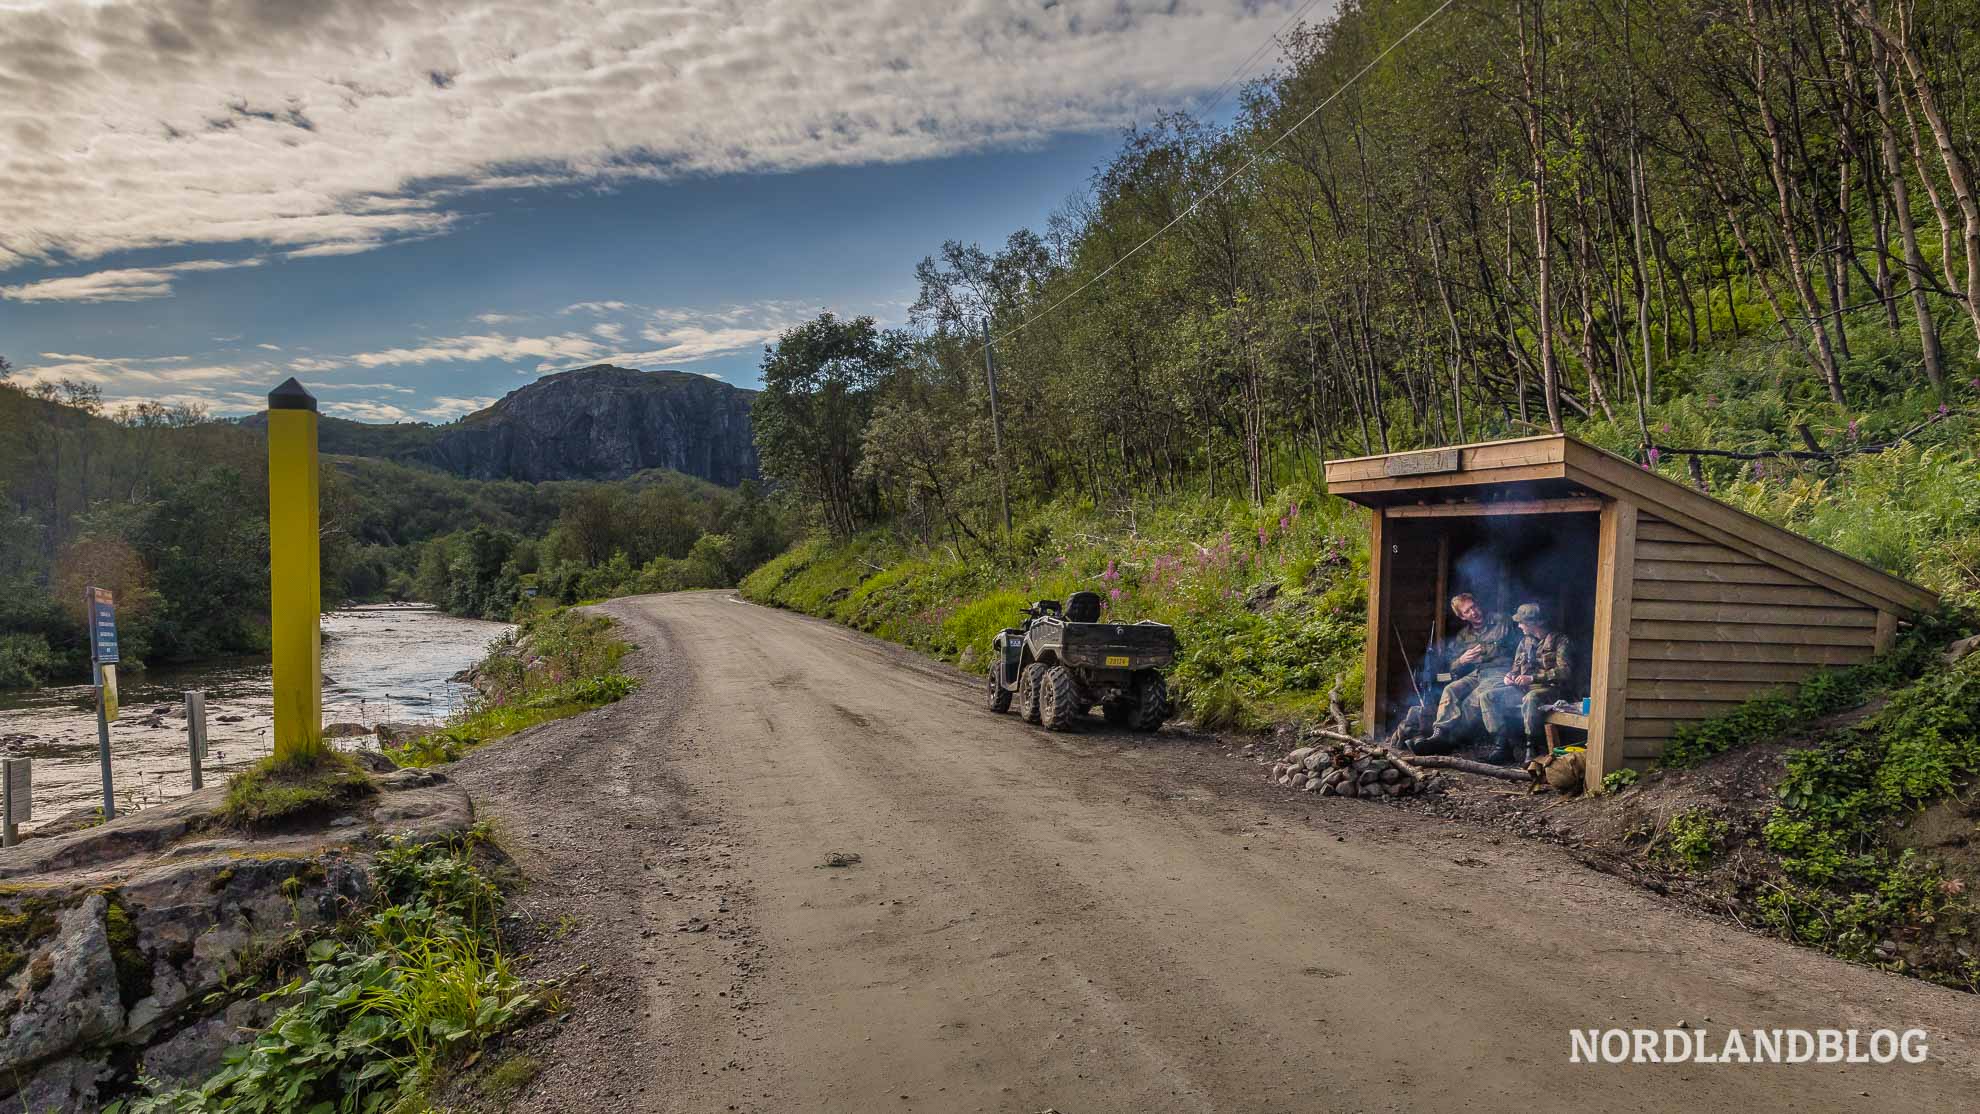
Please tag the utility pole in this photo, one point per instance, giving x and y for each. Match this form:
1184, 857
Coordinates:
996, 429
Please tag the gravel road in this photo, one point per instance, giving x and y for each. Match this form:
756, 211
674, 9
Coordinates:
1086, 923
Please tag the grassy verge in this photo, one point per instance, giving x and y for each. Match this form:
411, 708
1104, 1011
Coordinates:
273, 790
1268, 601
559, 662
383, 1013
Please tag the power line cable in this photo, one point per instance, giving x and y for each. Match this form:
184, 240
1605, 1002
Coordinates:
1226, 180
1229, 83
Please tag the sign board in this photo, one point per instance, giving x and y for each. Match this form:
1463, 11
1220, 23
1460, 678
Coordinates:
102, 624
1423, 463
196, 724
107, 679
18, 803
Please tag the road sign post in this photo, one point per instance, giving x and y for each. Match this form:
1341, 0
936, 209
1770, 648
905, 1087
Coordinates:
196, 735
101, 608
16, 798
296, 592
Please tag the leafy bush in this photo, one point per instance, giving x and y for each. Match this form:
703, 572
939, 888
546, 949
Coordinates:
25, 660
1692, 839
1846, 888
382, 1011
1615, 781
1775, 714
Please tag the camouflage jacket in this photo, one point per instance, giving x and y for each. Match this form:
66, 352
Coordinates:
1499, 636
1548, 659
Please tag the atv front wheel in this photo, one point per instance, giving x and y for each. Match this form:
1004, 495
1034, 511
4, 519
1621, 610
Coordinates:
1058, 699
1027, 695
1151, 703
998, 696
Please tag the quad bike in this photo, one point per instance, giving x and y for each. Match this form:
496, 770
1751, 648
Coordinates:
1063, 661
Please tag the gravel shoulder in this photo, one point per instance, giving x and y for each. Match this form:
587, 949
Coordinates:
1088, 922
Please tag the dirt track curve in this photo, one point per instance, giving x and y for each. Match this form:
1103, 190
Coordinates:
1087, 923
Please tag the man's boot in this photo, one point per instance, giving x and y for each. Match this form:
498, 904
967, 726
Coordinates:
1536, 748
1438, 741
1502, 749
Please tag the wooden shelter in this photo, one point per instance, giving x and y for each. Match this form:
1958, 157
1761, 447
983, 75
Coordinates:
1683, 606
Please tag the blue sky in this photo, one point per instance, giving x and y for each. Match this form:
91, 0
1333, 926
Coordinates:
418, 230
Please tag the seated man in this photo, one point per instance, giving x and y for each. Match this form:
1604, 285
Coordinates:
1542, 672
1480, 653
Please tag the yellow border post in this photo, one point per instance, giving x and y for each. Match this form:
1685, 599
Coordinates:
295, 573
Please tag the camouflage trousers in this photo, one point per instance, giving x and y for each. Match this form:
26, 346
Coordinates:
1464, 700
1508, 706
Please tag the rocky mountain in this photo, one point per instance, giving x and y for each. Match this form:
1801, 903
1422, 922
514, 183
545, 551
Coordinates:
594, 423
604, 423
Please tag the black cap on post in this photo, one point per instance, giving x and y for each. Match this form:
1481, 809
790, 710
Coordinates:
291, 396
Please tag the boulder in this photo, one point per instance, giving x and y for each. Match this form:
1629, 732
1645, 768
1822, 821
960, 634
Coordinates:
119, 943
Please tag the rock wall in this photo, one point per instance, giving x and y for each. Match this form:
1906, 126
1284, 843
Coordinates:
114, 940
606, 423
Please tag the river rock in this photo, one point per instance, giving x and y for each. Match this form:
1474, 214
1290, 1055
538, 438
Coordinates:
398, 734
344, 730
129, 933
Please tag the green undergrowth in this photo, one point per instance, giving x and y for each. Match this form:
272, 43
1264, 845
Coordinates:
1838, 876
383, 1012
1848, 887
559, 662
1268, 602
272, 789
1776, 714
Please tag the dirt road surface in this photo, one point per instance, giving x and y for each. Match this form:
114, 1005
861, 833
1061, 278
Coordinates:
1087, 923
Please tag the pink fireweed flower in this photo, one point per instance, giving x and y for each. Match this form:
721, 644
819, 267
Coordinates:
1852, 428
1262, 535
1114, 594
1944, 410
1654, 454
1111, 573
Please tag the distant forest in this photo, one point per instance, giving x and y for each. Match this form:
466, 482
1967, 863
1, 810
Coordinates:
168, 508
1663, 224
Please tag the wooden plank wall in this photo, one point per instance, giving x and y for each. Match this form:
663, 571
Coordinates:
1413, 604
1711, 627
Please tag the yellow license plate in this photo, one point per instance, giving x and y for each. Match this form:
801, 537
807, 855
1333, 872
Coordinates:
1116, 659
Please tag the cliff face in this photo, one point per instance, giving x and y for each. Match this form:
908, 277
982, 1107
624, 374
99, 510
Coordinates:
605, 423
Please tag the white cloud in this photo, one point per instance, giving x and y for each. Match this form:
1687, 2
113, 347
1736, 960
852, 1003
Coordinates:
365, 410
270, 347
565, 347
597, 308
445, 409
123, 285
494, 318
684, 336
393, 388
312, 365
609, 331
322, 128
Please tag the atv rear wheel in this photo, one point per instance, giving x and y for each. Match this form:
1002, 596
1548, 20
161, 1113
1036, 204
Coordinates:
1027, 694
1058, 699
1151, 702
999, 697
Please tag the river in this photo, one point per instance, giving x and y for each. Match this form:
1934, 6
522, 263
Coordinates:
381, 663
